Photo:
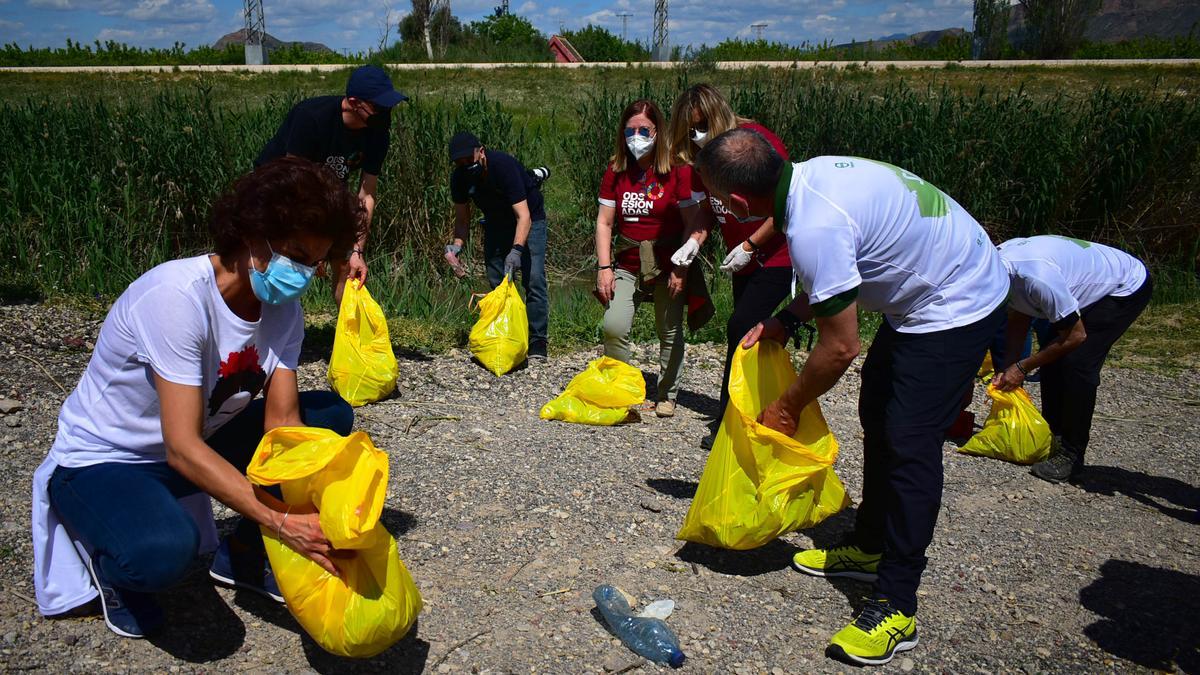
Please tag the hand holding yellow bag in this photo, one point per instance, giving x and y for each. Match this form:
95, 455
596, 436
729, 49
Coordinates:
759, 484
374, 602
363, 366
601, 395
1014, 431
500, 338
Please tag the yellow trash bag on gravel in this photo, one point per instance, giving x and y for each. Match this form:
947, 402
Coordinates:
500, 338
1014, 431
345, 478
986, 369
363, 366
601, 395
759, 484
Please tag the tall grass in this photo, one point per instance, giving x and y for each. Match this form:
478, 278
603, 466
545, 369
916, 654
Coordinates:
95, 190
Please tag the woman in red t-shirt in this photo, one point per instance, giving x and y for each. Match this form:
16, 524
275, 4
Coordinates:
757, 254
640, 196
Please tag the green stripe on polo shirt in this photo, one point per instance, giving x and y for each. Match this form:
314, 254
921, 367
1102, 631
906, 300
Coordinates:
832, 306
781, 195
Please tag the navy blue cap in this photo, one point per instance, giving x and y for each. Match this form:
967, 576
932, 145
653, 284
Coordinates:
463, 145
371, 83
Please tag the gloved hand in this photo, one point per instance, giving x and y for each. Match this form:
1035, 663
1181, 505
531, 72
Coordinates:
513, 261
686, 253
738, 258
452, 251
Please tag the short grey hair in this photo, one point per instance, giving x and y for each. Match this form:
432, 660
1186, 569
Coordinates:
742, 161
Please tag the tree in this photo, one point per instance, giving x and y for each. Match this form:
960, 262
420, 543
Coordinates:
990, 39
508, 30
385, 26
597, 44
421, 14
1056, 26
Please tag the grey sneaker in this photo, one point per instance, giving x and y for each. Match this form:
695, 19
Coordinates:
1062, 465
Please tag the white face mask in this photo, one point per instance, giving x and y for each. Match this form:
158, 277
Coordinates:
639, 145
699, 137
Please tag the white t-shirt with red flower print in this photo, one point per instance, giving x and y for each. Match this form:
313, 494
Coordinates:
171, 321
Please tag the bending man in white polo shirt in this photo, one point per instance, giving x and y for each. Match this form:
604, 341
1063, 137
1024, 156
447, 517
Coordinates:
1091, 294
867, 234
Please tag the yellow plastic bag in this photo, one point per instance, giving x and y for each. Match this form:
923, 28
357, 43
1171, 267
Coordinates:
362, 367
375, 602
759, 484
500, 338
1014, 431
601, 395
986, 369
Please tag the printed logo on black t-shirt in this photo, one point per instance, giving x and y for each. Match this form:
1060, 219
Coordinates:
342, 166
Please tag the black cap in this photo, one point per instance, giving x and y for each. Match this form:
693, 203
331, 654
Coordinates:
463, 145
371, 83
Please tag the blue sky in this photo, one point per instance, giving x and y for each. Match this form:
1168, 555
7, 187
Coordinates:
356, 24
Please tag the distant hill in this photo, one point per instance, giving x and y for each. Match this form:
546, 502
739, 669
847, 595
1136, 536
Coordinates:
1117, 20
1128, 19
238, 37
925, 38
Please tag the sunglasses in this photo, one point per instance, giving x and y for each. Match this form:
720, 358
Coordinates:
640, 131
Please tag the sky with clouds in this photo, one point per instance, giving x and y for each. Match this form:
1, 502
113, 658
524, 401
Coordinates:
356, 24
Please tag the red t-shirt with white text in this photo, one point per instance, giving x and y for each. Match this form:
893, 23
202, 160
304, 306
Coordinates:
774, 252
647, 207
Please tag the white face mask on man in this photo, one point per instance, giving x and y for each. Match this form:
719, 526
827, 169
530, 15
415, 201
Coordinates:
639, 145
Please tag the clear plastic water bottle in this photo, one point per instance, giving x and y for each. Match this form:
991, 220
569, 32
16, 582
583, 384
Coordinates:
648, 637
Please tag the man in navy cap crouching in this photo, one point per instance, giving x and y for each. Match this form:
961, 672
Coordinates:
346, 134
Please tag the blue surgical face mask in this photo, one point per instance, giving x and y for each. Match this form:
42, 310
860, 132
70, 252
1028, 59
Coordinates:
284, 281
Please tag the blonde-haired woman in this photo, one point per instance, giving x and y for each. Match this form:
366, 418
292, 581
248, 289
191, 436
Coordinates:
640, 197
757, 254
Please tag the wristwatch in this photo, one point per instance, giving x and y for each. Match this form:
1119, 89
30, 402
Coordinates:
610, 266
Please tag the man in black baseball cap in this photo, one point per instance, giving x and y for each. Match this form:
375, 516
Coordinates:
514, 223
346, 134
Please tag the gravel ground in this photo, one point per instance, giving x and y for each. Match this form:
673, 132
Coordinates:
507, 523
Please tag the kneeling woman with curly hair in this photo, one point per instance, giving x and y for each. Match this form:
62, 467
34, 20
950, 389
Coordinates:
165, 414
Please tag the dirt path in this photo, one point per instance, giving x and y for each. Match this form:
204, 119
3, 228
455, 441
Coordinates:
508, 522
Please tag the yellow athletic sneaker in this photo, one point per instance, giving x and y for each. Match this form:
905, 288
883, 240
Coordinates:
876, 634
842, 561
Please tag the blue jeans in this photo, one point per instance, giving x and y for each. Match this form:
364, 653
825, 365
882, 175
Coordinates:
128, 516
497, 242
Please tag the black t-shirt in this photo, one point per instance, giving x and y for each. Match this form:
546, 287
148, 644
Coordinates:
506, 184
314, 130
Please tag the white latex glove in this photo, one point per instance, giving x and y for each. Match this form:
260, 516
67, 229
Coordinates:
738, 258
686, 253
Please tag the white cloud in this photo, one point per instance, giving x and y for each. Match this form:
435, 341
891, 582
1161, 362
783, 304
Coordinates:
11, 25
172, 11
61, 5
527, 7
821, 23
117, 34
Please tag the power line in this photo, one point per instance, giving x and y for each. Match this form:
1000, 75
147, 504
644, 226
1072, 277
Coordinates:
256, 30
625, 24
661, 49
